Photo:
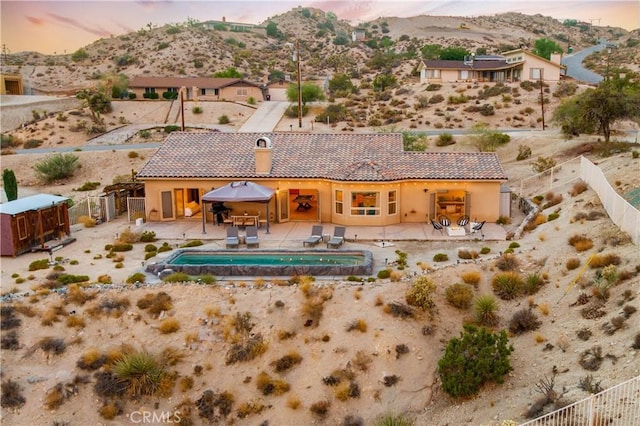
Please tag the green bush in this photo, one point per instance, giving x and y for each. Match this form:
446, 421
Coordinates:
164, 247
523, 320
88, 186
485, 250
459, 295
445, 139
486, 308
150, 95
70, 279
137, 277
56, 167
440, 257
224, 119
170, 95
421, 292
196, 110
177, 277
207, 279
384, 274
150, 247
392, 420
122, 247
477, 357
147, 236
148, 255
193, 243
39, 264
171, 128
32, 143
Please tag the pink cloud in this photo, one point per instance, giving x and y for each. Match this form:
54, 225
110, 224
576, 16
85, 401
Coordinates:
100, 32
36, 21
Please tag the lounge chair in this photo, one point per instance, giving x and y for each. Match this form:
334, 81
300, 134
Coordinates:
232, 237
436, 226
252, 236
316, 236
338, 237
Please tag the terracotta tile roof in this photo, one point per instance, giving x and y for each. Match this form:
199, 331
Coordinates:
340, 157
201, 82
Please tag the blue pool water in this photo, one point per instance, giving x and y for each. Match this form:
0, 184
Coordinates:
266, 262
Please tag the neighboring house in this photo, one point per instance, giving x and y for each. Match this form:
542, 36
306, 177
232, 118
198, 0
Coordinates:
198, 88
29, 223
347, 179
515, 65
11, 84
359, 34
231, 26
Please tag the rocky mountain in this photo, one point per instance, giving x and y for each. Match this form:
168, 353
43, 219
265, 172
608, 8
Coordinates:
193, 48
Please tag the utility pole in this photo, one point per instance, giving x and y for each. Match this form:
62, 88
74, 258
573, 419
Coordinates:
299, 85
182, 107
542, 98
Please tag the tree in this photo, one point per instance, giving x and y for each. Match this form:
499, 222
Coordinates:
598, 109
487, 139
79, 55
272, 29
341, 85
414, 141
310, 93
454, 53
10, 184
384, 81
97, 102
230, 72
431, 51
544, 47
477, 357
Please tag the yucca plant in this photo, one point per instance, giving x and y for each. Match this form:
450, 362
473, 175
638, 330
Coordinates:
507, 285
486, 310
141, 372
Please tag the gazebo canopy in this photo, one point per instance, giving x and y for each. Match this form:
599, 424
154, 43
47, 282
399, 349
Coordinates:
238, 192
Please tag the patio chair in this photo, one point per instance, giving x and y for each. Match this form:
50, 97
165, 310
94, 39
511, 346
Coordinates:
232, 237
338, 237
444, 221
252, 236
436, 226
463, 221
478, 228
316, 236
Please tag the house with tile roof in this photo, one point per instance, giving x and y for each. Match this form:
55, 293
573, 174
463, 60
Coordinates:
346, 179
514, 65
198, 88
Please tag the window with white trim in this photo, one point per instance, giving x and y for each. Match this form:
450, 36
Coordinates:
536, 74
365, 203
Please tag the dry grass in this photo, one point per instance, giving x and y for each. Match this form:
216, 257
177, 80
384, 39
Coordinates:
293, 402
75, 321
471, 277
270, 386
358, 324
169, 325
580, 242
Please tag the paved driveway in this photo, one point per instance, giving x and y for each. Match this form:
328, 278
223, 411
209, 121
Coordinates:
265, 118
574, 66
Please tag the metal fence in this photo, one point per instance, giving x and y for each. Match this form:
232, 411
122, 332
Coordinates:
619, 405
135, 208
102, 209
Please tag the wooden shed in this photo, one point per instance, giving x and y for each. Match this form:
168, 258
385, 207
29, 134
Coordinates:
38, 222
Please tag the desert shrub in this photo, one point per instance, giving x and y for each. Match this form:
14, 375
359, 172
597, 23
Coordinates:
485, 250
32, 143
39, 264
53, 345
394, 420
542, 164
9, 341
459, 295
169, 325
523, 320
286, 362
56, 167
252, 348
92, 359
445, 139
603, 260
136, 277
552, 200
532, 283
471, 277
215, 406
320, 409
223, 119
507, 262
11, 395
578, 188
421, 294
485, 109
192, 243
436, 99
384, 274
440, 257
553, 216
148, 236
591, 359
507, 285
197, 109
467, 254
8, 319
109, 306
359, 324
65, 279
580, 242
177, 277
486, 308
398, 310
524, 152
477, 357
150, 247
155, 304
120, 247
141, 373
270, 386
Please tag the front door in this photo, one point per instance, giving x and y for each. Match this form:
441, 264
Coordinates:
167, 205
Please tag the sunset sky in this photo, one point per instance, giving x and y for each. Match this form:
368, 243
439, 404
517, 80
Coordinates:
65, 26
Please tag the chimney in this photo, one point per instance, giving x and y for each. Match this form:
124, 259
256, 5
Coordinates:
263, 154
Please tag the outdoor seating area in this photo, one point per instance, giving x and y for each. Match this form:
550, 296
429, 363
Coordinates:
234, 239
315, 238
463, 227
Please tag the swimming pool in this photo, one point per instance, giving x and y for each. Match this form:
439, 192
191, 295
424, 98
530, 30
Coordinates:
266, 262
